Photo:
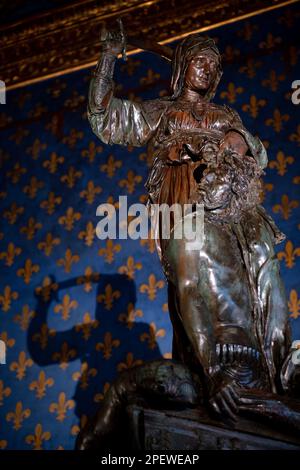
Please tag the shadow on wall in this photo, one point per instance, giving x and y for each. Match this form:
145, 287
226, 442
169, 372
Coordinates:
94, 340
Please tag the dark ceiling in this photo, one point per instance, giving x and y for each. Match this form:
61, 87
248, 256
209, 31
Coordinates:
15, 10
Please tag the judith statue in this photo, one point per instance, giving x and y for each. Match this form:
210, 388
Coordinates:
231, 339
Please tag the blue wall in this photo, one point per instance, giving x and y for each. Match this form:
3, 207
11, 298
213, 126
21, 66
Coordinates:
65, 344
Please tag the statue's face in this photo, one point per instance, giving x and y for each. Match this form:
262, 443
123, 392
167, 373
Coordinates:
201, 72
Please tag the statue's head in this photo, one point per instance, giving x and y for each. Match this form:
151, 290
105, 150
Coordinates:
197, 66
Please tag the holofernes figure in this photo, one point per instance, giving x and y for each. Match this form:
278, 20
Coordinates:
226, 300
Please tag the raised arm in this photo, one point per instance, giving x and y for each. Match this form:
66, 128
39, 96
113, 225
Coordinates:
113, 120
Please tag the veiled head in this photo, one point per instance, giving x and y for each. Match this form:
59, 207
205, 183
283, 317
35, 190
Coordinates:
197, 65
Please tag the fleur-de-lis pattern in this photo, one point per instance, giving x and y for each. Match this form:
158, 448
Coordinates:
96, 307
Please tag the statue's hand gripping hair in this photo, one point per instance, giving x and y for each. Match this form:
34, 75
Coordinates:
226, 300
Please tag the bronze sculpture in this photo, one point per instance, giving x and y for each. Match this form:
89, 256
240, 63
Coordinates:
231, 338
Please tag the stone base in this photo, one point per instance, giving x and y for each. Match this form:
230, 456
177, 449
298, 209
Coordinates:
194, 430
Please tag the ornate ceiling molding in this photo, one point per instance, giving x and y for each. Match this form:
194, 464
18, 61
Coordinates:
67, 39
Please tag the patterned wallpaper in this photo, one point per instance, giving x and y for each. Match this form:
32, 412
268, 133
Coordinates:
74, 310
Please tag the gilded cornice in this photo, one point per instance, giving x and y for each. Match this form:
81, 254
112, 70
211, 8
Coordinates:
67, 39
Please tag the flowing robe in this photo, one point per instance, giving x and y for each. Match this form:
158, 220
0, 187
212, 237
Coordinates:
229, 292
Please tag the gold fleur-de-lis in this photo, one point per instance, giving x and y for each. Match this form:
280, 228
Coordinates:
68, 260
253, 106
7, 297
273, 81
100, 396
291, 56
152, 335
9, 255
63, 357
4, 119
111, 166
88, 279
19, 135
3, 444
86, 326
130, 267
36, 439
277, 120
4, 392
149, 242
109, 251
46, 289
287, 19
74, 101
21, 365
289, 254
32, 188
151, 287
56, 89
84, 375
28, 270
88, 234
286, 206
31, 228
41, 384
150, 78
270, 42
231, 93
250, 68
36, 148
13, 213
10, 342
37, 111
130, 66
71, 177
129, 363
24, 318
296, 180
294, 304
76, 429
48, 244
66, 306
295, 137
69, 219
247, 31
43, 335
90, 192
61, 407
55, 124
130, 316
266, 187
18, 416
72, 138
91, 152
281, 163
108, 344
21, 99
50, 203
53, 162
230, 54
130, 182
109, 296
146, 157
15, 174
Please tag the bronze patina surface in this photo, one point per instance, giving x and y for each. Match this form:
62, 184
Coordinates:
231, 338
